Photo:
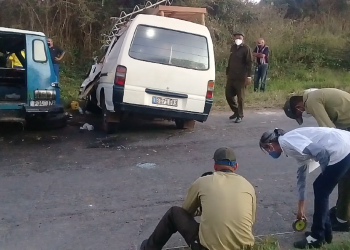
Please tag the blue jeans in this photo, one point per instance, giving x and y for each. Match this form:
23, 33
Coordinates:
323, 187
260, 74
56, 68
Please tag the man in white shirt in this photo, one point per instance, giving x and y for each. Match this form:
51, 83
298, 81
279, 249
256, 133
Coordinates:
313, 147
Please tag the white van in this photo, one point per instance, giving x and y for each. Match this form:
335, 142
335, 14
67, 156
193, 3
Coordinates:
159, 67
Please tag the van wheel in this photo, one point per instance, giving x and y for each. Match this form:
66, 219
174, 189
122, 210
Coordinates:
91, 105
180, 124
108, 127
184, 124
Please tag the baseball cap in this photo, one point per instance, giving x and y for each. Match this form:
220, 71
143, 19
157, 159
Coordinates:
238, 33
288, 110
224, 154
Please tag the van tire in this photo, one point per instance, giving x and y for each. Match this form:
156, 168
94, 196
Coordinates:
180, 123
184, 124
108, 127
91, 105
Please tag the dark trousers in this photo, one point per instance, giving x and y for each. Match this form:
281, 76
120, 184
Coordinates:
260, 75
343, 202
232, 92
56, 68
176, 219
323, 187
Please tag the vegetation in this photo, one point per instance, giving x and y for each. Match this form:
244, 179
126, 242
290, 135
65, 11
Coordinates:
309, 39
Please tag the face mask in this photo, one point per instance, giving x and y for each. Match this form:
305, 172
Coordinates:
238, 41
305, 114
274, 154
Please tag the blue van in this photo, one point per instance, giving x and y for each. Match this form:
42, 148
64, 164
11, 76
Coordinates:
29, 94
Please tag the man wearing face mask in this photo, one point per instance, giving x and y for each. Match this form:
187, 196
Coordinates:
331, 108
315, 147
238, 72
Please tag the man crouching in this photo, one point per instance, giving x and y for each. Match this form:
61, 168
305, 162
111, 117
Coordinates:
226, 203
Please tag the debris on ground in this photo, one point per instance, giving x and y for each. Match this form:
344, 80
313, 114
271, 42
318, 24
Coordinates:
74, 105
69, 115
81, 111
146, 165
87, 126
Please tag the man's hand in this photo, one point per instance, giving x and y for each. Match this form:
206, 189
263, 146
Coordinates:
301, 210
248, 81
57, 59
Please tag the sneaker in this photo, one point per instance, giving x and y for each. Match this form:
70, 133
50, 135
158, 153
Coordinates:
234, 116
238, 120
308, 243
340, 227
328, 238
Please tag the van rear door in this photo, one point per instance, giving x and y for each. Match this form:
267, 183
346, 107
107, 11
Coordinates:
167, 68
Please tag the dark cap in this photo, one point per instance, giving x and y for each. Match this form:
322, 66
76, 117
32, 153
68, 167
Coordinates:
238, 33
224, 154
288, 110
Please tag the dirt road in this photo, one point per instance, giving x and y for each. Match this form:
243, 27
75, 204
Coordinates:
69, 190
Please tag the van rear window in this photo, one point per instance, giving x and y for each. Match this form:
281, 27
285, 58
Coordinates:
170, 47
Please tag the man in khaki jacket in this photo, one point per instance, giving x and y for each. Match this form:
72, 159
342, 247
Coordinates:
226, 203
238, 72
331, 108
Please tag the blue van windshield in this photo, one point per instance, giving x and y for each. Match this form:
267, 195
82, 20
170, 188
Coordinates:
170, 47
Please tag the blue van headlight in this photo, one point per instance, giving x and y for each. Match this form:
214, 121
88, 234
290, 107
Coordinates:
44, 94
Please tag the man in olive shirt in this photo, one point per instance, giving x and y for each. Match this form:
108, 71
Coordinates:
238, 72
331, 108
226, 203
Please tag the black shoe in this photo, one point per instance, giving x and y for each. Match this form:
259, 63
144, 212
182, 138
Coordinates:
328, 238
262, 90
340, 227
302, 244
238, 120
143, 245
234, 116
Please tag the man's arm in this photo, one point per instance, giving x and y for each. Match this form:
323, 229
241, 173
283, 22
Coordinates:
255, 52
192, 202
317, 110
254, 207
61, 53
319, 153
249, 61
228, 63
301, 181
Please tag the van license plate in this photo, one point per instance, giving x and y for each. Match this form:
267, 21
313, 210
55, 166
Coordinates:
164, 101
41, 103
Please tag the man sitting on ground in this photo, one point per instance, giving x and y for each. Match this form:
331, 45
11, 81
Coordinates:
226, 203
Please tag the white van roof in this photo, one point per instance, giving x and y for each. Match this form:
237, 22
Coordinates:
29, 32
170, 23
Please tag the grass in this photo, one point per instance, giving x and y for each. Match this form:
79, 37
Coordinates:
279, 87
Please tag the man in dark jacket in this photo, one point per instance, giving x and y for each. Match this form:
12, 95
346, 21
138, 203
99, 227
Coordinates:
238, 72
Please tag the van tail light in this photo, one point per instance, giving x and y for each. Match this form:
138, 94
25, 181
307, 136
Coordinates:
210, 89
120, 75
